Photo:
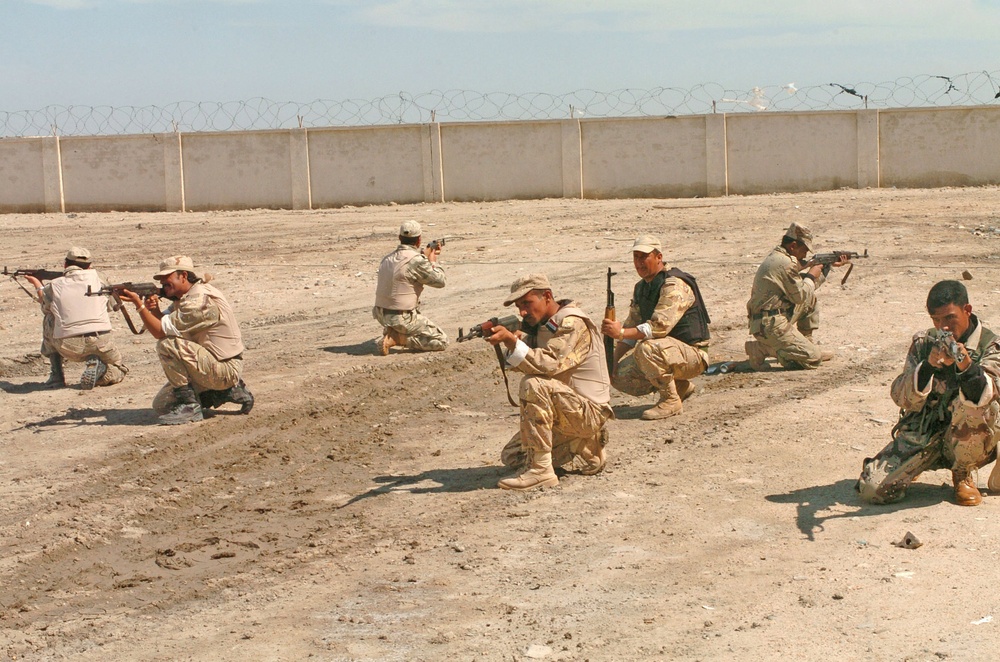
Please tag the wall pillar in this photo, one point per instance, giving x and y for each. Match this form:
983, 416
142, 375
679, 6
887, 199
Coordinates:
716, 150
299, 168
572, 158
868, 149
173, 172
433, 164
52, 180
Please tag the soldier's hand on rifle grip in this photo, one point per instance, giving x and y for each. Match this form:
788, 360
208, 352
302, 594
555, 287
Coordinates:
152, 302
432, 252
611, 329
502, 334
132, 297
841, 260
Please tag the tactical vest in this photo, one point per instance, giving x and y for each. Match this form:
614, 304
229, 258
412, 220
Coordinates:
590, 378
73, 311
692, 327
935, 414
393, 291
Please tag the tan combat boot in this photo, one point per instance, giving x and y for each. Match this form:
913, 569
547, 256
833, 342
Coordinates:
539, 474
966, 492
756, 354
685, 388
389, 339
669, 404
593, 456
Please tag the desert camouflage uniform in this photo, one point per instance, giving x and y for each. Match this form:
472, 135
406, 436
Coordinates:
554, 417
643, 368
78, 349
418, 332
942, 426
185, 361
783, 310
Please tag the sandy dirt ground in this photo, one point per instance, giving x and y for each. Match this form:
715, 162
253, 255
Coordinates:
354, 514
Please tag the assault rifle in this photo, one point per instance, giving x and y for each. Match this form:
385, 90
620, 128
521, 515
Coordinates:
144, 290
609, 313
945, 341
40, 274
509, 322
834, 256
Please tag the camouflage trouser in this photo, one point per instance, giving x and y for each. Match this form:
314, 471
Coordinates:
79, 348
967, 444
186, 362
557, 419
416, 331
652, 363
790, 339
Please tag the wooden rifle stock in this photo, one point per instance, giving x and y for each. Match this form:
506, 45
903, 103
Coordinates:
609, 313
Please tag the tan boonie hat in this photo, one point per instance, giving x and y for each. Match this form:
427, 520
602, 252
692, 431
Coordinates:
409, 229
175, 263
647, 243
525, 284
77, 254
801, 234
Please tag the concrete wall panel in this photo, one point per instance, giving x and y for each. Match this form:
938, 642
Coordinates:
371, 165
22, 178
644, 158
113, 173
791, 152
246, 170
502, 161
940, 147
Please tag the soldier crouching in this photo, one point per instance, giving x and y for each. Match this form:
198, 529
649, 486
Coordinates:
949, 399
565, 395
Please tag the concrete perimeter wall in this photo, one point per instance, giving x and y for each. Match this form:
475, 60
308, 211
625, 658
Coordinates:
657, 157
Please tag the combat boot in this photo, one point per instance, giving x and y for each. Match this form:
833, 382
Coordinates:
669, 404
56, 377
685, 388
593, 456
92, 373
186, 409
389, 339
242, 396
539, 474
966, 492
756, 354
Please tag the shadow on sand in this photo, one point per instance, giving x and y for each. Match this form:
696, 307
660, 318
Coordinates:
445, 480
813, 500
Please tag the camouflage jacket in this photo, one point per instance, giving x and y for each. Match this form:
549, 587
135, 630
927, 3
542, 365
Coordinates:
932, 399
779, 284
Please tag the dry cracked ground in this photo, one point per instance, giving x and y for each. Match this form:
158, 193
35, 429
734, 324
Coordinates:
353, 515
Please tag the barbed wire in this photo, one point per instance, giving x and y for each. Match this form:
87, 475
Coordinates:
969, 89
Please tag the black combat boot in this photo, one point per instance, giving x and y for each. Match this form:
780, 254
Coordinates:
186, 408
56, 377
238, 394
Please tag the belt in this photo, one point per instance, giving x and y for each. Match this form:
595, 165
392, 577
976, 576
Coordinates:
93, 334
390, 311
774, 312
238, 357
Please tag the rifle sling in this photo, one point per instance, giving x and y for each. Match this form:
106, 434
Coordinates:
131, 326
503, 371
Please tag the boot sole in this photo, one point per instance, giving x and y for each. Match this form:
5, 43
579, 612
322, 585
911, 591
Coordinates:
91, 374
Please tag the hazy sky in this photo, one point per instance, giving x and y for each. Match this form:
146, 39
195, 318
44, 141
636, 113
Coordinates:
154, 52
